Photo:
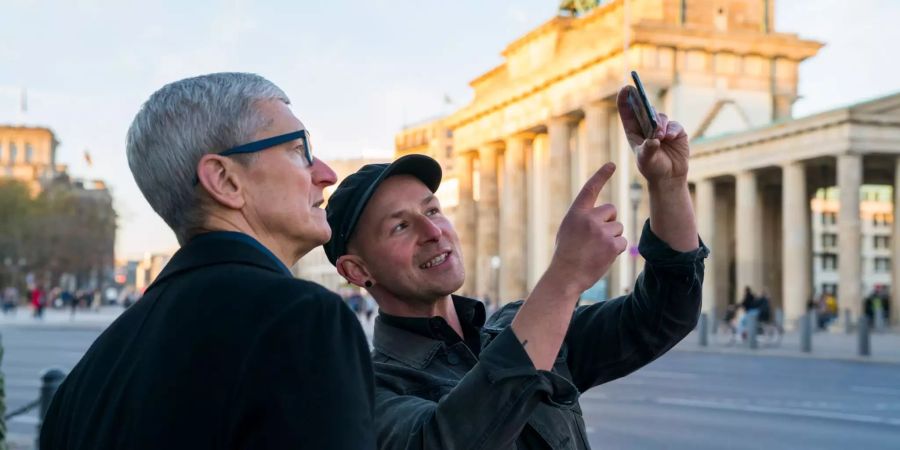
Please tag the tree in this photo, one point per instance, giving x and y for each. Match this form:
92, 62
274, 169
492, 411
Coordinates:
65, 229
577, 7
3, 445
17, 208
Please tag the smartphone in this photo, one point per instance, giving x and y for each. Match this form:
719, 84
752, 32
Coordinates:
646, 115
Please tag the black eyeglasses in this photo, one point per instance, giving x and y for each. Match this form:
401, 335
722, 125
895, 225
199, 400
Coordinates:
263, 144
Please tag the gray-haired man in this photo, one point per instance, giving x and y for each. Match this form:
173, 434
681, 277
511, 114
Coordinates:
226, 349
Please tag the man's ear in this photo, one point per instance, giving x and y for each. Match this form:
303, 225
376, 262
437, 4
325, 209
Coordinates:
218, 176
354, 270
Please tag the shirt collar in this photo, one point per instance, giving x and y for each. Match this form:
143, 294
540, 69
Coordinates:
245, 238
471, 316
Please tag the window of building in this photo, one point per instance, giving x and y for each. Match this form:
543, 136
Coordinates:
829, 240
829, 261
29, 153
882, 264
882, 241
876, 218
829, 218
13, 153
829, 288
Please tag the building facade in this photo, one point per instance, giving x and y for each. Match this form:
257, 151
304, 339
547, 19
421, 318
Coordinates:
28, 155
81, 222
542, 121
876, 222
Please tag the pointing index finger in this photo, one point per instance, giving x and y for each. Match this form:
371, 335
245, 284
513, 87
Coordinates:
588, 194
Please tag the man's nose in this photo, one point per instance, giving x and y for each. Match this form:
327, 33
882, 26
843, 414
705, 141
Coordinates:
322, 174
428, 229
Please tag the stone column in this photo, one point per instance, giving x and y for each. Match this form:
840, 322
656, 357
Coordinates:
705, 192
466, 219
513, 220
488, 223
795, 253
559, 179
598, 151
895, 250
626, 170
849, 174
748, 229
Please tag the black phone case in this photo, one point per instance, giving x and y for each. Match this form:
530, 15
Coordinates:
644, 112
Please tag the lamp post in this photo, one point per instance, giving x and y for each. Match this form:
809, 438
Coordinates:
635, 192
495, 272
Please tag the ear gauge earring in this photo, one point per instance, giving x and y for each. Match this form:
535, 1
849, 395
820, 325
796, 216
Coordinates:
368, 284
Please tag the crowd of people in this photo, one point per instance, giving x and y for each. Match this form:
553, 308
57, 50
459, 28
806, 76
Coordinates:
38, 298
876, 307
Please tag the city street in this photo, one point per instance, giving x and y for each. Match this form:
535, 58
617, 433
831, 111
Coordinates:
686, 400
29, 349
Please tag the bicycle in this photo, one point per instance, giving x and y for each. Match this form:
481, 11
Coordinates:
726, 333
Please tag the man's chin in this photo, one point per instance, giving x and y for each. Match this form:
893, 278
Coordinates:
454, 287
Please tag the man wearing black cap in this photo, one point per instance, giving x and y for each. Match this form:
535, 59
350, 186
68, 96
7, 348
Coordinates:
447, 379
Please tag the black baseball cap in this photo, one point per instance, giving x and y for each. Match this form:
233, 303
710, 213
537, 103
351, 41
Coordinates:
346, 204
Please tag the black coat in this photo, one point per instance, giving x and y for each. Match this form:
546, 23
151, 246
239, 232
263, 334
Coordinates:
224, 351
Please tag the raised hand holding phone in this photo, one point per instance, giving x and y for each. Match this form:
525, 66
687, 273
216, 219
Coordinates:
662, 159
661, 146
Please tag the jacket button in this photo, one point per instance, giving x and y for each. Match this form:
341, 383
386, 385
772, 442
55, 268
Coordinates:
453, 358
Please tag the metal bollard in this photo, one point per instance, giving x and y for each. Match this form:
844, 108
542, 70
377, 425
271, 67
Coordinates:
752, 322
50, 381
848, 322
863, 335
806, 327
703, 328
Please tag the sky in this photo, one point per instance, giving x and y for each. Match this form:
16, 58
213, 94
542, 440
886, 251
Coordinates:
356, 71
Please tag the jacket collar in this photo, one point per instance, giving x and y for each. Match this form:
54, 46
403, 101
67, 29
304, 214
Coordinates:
409, 348
416, 349
219, 248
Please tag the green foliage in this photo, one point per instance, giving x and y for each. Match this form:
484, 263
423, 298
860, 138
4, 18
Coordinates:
577, 7
3, 445
62, 230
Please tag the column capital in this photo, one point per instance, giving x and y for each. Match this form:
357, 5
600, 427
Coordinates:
491, 146
468, 153
794, 162
522, 135
566, 119
600, 103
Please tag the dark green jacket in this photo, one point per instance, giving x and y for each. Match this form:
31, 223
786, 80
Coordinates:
435, 391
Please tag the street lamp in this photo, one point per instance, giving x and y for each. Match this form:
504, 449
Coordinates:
495, 273
635, 192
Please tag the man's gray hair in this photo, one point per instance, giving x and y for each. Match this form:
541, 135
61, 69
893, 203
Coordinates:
184, 121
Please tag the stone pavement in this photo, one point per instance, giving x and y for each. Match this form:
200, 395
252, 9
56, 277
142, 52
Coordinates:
884, 347
55, 318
